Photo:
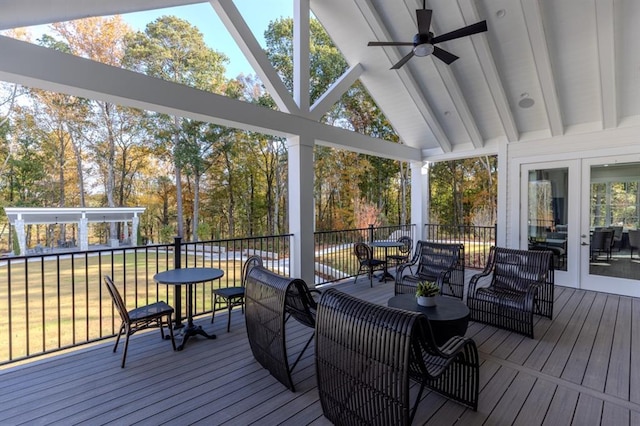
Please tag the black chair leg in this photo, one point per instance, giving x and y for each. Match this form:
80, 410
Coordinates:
213, 307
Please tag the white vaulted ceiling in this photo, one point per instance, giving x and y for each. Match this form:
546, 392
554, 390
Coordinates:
575, 61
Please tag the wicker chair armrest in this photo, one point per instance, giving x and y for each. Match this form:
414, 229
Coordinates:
455, 345
400, 269
477, 277
532, 293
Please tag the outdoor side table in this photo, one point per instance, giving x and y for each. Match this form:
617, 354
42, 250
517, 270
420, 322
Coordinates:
450, 316
188, 277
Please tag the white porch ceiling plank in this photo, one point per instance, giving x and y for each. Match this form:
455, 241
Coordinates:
301, 56
453, 88
335, 91
533, 18
491, 75
24, 13
47, 69
246, 41
605, 22
461, 105
381, 33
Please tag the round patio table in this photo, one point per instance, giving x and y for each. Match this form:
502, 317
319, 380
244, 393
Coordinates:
386, 245
450, 317
188, 277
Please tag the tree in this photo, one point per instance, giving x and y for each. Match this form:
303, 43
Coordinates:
172, 49
335, 199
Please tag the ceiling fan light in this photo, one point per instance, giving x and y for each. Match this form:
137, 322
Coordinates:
424, 49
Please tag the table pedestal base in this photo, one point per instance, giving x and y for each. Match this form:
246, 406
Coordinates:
190, 331
385, 276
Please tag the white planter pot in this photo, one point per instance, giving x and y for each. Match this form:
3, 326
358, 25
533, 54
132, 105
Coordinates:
427, 301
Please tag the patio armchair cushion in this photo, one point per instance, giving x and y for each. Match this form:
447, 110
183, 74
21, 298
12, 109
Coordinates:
366, 355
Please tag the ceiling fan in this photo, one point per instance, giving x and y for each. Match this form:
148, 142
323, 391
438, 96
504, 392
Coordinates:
423, 42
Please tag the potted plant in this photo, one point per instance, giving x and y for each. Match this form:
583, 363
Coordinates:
426, 292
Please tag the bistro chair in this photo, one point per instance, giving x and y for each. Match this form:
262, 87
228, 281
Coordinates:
139, 318
364, 253
233, 296
403, 252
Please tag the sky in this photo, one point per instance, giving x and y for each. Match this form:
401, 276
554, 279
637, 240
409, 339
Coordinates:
257, 14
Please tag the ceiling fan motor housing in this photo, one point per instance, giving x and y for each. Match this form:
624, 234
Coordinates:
422, 38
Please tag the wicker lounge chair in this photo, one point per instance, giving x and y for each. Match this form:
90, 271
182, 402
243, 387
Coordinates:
272, 299
366, 355
441, 263
520, 284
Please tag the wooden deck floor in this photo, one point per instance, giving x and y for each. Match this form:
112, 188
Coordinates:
583, 368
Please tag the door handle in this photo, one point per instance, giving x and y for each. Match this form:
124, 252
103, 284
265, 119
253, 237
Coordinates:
584, 244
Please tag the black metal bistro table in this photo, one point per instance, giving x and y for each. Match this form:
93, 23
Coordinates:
188, 277
450, 317
386, 244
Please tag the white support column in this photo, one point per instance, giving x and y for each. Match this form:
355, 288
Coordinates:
135, 224
301, 60
419, 197
503, 191
21, 235
301, 208
83, 233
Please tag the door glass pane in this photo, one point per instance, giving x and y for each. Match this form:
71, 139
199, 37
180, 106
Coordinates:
547, 213
614, 206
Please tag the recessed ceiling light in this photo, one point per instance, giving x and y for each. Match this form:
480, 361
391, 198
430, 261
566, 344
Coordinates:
501, 13
525, 101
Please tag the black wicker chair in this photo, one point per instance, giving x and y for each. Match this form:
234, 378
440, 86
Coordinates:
232, 296
366, 355
364, 253
403, 252
441, 263
139, 318
271, 300
520, 284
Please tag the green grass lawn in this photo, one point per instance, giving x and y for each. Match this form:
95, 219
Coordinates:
57, 302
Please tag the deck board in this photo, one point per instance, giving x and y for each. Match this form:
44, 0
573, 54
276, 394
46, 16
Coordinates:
576, 371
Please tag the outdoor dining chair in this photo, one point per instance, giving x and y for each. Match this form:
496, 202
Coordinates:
233, 296
403, 252
364, 253
139, 318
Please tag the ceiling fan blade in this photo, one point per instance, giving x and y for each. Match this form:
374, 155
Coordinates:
403, 61
478, 27
424, 20
390, 43
443, 55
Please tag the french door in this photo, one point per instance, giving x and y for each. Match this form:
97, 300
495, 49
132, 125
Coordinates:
567, 206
